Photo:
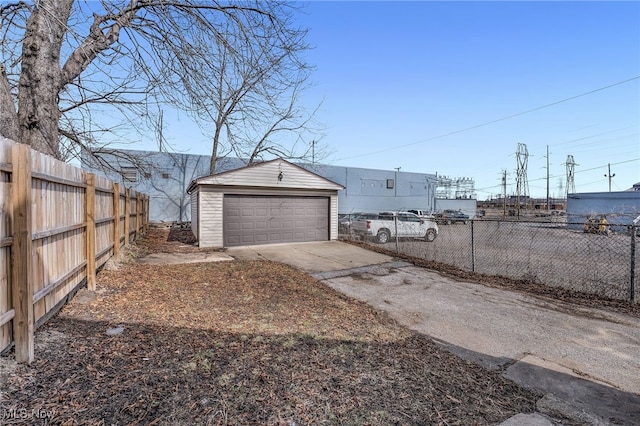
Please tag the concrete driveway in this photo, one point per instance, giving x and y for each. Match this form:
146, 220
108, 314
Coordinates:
321, 256
586, 361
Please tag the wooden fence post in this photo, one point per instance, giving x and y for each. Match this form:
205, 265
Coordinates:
127, 216
147, 206
138, 215
148, 212
22, 276
116, 220
90, 211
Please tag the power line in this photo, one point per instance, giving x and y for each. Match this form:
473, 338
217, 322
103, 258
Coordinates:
487, 188
560, 144
466, 129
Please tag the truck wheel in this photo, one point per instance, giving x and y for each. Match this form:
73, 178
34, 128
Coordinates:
383, 236
430, 235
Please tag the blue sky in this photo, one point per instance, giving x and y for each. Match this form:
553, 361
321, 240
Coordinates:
410, 85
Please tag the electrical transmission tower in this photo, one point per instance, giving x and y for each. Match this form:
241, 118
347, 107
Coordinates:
571, 184
522, 184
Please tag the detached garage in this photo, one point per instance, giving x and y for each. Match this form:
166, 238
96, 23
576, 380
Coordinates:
268, 203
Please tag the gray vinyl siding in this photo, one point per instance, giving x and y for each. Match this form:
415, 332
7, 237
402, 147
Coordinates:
210, 223
194, 212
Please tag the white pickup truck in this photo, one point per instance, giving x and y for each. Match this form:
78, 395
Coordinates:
383, 226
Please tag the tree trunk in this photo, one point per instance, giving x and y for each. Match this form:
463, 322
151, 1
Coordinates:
40, 78
214, 150
8, 115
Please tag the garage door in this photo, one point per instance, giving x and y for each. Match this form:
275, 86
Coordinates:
252, 219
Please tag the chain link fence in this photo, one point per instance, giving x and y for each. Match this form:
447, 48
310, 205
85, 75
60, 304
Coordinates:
557, 254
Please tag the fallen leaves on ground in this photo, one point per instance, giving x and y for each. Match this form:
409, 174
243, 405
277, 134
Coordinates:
239, 343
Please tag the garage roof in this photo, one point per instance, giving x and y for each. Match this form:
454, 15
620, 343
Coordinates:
276, 173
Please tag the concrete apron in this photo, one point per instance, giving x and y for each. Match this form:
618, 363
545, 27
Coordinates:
320, 256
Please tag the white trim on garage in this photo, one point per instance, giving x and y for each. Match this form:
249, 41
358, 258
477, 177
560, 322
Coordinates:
265, 181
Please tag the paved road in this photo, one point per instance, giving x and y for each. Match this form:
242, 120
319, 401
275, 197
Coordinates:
587, 361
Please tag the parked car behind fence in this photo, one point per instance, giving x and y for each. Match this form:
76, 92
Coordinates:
387, 225
558, 254
449, 217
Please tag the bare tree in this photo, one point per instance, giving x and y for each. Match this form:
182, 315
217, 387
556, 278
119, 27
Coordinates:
174, 190
252, 108
79, 75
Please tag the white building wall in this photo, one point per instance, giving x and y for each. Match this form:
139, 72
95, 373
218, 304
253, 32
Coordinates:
161, 175
367, 190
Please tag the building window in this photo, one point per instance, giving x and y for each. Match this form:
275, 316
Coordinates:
390, 183
129, 174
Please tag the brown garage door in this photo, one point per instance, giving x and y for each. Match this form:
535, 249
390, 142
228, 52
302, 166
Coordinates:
253, 219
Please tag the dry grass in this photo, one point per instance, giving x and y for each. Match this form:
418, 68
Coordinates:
245, 343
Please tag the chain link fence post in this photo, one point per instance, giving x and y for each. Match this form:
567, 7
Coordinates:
395, 222
473, 248
632, 281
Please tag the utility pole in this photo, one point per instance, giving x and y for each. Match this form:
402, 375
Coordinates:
313, 152
548, 178
504, 193
160, 131
609, 175
435, 194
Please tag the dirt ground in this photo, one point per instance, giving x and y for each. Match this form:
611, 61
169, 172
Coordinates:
238, 343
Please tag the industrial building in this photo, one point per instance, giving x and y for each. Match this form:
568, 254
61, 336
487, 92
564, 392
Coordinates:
166, 176
621, 208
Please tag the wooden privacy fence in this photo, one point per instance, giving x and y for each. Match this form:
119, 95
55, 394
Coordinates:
58, 225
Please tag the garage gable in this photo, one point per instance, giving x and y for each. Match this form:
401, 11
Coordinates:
277, 173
